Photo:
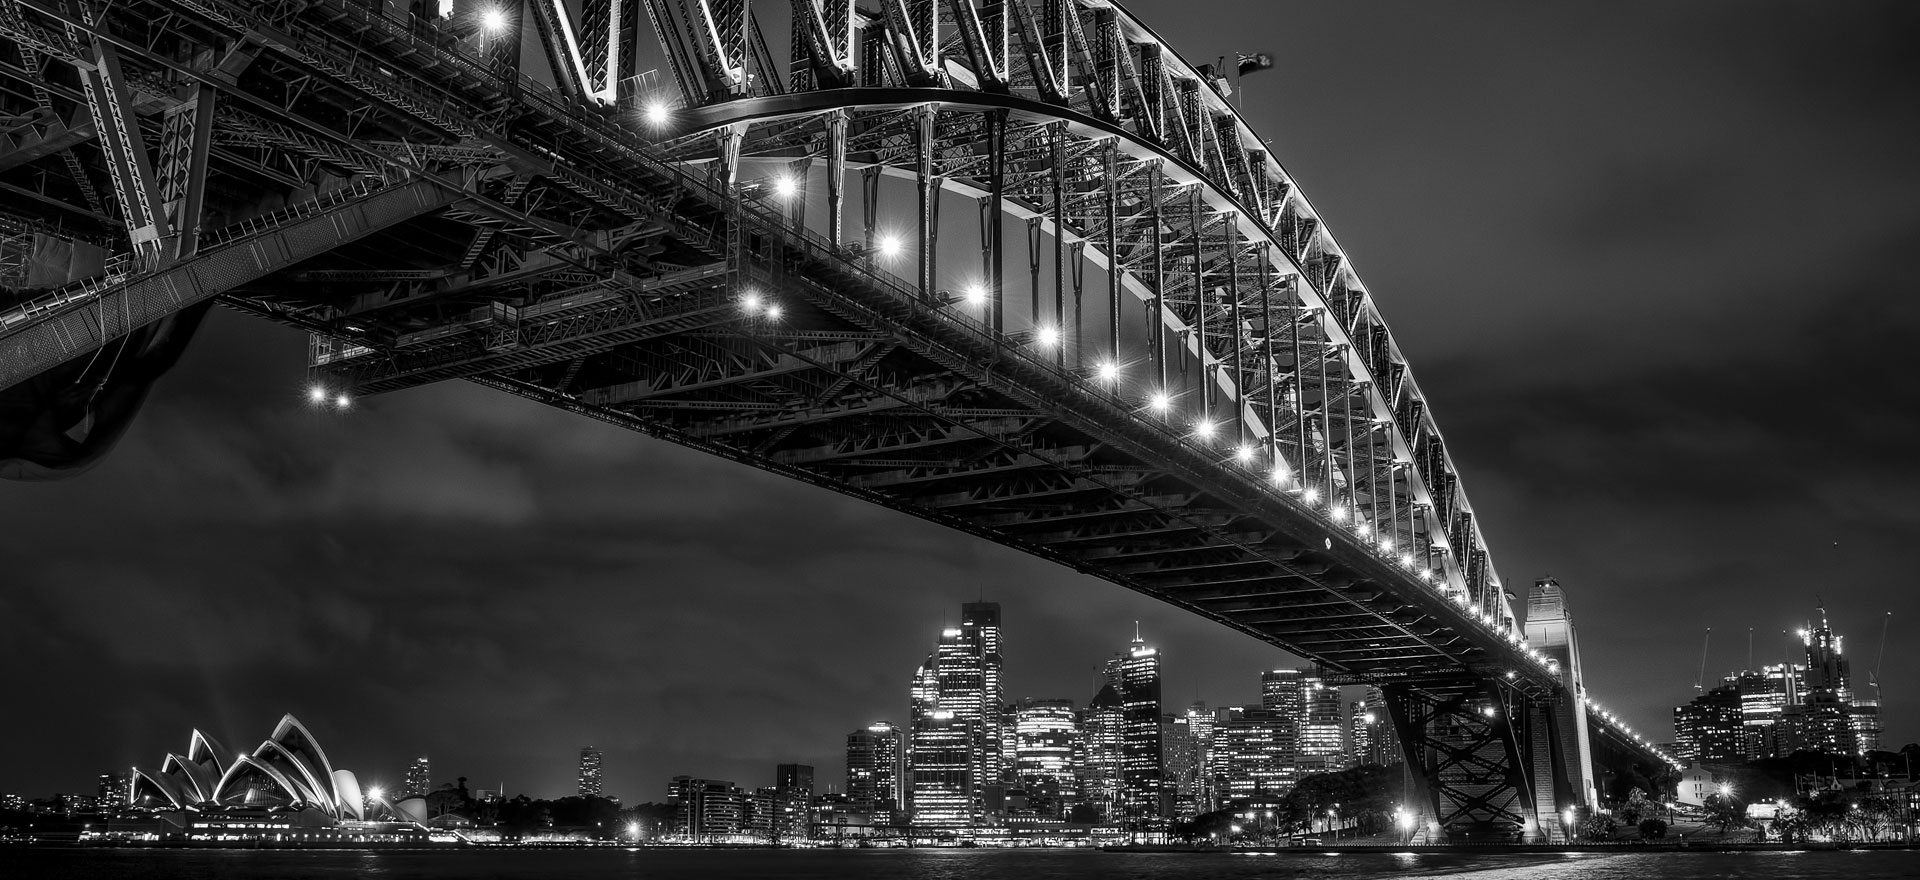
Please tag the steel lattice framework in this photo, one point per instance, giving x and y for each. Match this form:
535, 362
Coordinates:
1185, 389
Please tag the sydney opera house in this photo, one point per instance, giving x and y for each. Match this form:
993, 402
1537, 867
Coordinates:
284, 789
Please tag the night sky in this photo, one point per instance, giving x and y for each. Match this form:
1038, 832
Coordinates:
1651, 264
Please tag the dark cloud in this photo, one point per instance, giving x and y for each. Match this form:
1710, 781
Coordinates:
1649, 262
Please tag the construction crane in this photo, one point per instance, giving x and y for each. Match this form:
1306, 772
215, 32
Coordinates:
1873, 678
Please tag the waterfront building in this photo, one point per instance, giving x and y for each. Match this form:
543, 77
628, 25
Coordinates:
284, 785
793, 793
419, 778
589, 772
982, 620
874, 768
1322, 743
1712, 726
1045, 735
1134, 675
13, 803
704, 809
1372, 737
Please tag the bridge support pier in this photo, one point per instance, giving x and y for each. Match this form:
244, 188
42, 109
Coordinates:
1483, 760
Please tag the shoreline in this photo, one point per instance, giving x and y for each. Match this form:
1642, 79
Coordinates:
1528, 848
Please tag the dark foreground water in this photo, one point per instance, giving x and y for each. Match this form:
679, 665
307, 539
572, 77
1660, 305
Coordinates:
20, 864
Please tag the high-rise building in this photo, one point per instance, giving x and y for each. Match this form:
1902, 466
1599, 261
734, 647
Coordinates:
940, 766
1373, 739
706, 808
1322, 747
589, 771
419, 778
1251, 759
1103, 737
1826, 717
792, 797
1180, 791
1764, 698
1283, 694
1200, 726
874, 761
962, 678
1045, 732
1135, 677
114, 790
1711, 727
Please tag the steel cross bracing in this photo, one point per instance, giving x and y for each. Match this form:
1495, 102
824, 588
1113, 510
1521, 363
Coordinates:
1036, 280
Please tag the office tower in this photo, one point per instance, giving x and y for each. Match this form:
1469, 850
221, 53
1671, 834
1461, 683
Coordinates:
1826, 719
792, 797
1283, 695
983, 620
1322, 747
1550, 630
940, 770
873, 768
114, 790
1251, 759
1045, 734
1711, 727
419, 778
1180, 763
1135, 677
1374, 740
1200, 726
1764, 697
1103, 732
589, 771
960, 682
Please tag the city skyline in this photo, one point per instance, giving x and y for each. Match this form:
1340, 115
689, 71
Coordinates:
395, 546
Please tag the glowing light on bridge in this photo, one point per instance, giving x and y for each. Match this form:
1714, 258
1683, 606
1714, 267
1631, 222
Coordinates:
658, 113
494, 20
785, 187
1160, 402
773, 313
1244, 454
1339, 513
317, 394
1203, 429
750, 303
342, 400
1047, 337
1312, 496
1109, 372
890, 245
976, 294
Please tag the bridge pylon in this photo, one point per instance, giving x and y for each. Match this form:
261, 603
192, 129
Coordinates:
1484, 759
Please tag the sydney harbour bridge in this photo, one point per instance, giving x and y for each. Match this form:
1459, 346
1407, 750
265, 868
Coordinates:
1012, 266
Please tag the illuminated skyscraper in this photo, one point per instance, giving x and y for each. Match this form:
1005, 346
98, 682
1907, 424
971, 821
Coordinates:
589, 771
1251, 759
1764, 697
1135, 677
958, 691
419, 778
1322, 746
1044, 734
1711, 727
1103, 731
1283, 694
114, 789
940, 770
1180, 763
1372, 738
1200, 726
874, 761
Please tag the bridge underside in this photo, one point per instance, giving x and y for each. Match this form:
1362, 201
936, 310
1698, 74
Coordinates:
376, 181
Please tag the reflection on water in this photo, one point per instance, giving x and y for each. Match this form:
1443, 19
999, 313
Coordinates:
940, 865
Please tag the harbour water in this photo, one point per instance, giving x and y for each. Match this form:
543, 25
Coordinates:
944, 864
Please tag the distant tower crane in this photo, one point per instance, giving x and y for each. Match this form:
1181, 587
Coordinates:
1699, 681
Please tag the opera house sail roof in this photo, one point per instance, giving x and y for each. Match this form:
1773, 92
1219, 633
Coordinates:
287, 771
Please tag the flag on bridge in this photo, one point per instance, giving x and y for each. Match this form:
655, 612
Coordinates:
1256, 61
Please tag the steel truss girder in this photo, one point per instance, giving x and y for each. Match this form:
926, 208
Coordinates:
1470, 751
